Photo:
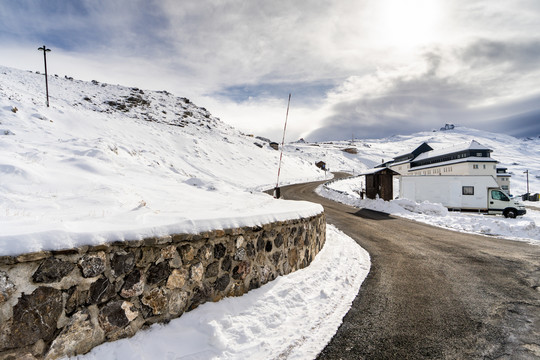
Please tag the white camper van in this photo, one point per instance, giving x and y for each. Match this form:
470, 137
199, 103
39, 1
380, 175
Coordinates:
468, 193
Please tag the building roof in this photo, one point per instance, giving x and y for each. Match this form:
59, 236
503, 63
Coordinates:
422, 148
473, 145
377, 170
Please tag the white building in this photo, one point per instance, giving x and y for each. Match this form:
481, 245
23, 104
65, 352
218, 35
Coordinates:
503, 179
462, 159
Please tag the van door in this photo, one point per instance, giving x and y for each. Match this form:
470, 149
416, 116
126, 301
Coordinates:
498, 201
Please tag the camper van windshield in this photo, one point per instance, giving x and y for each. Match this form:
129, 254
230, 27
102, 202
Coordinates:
498, 195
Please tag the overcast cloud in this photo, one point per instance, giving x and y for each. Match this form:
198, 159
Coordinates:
364, 68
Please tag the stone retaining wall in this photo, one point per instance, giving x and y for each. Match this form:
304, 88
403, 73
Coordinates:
64, 303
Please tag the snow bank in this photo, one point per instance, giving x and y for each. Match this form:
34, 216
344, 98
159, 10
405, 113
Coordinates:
524, 228
293, 317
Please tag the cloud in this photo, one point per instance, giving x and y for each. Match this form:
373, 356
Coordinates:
113, 27
439, 88
375, 67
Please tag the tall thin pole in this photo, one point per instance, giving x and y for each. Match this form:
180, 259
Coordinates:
283, 141
527, 172
45, 50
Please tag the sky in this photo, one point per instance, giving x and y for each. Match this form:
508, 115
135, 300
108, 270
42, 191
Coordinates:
355, 68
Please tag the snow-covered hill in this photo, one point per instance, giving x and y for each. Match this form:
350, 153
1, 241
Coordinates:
106, 161
515, 154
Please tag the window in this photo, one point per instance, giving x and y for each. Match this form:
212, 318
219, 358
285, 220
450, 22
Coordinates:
479, 154
468, 190
504, 187
499, 195
484, 166
475, 166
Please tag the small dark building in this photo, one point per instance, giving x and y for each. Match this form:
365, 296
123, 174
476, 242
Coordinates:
274, 145
321, 165
379, 181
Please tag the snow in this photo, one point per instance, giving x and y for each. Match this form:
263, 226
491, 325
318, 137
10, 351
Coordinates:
107, 163
523, 228
292, 317
84, 172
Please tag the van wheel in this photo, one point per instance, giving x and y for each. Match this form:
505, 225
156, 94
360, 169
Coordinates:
510, 213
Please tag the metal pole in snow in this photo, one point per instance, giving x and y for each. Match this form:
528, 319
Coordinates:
276, 192
45, 50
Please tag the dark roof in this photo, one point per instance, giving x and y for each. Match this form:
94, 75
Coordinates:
422, 148
378, 170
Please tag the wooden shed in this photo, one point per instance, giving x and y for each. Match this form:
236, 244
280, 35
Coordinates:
379, 181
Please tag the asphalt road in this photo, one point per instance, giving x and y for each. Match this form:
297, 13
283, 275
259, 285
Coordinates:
434, 293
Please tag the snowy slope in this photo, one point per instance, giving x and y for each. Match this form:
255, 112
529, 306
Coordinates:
515, 154
108, 162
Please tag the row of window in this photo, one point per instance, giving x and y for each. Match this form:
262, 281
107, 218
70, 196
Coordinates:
477, 166
447, 169
449, 157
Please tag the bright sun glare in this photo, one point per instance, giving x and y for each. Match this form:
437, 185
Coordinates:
408, 24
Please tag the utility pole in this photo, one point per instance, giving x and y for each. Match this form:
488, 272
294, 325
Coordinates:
277, 192
45, 50
527, 172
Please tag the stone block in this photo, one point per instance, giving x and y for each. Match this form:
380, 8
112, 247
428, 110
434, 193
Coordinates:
116, 315
52, 270
122, 263
78, 337
133, 284
93, 264
240, 254
158, 273
187, 252
226, 263
241, 270
40, 255
76, 298
222, 282
219, 251
101, 291
212, 270
178, 302
177, 279
35, 317
205, 252
156, 300
169, 252
7, 288
197, 272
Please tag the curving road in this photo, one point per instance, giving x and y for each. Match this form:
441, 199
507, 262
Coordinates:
434, 293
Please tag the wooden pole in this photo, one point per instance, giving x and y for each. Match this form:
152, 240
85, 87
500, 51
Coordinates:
45, 50
276, 190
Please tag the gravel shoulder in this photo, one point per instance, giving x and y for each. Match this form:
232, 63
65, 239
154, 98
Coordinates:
434, 293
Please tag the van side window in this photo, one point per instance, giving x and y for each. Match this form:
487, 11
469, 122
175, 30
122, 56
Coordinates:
467, 190
498, 195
